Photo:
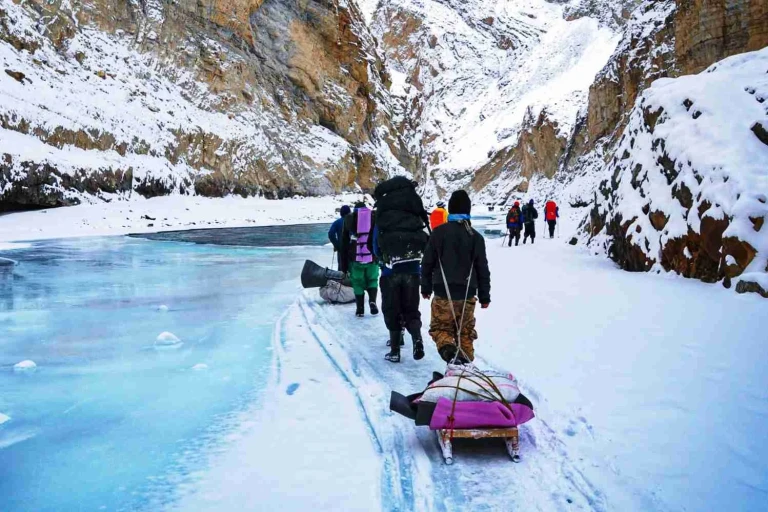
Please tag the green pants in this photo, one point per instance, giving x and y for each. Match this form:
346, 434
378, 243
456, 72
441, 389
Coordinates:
364, 276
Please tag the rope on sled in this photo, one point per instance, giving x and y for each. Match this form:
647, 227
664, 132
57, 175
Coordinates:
494, 393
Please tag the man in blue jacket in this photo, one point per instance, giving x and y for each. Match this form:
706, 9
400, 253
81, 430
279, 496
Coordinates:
334, 234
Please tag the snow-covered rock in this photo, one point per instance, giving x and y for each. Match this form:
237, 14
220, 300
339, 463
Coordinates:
25, 366
688, 182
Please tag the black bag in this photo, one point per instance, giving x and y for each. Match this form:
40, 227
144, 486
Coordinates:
315, 276
401, 219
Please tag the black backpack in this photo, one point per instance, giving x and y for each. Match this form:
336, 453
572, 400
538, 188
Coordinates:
401, 219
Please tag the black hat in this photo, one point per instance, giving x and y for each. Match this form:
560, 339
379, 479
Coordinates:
459, 203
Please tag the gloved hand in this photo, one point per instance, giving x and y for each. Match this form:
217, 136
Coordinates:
426, 295
485, 306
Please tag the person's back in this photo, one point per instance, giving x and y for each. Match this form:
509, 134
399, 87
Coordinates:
357, 259
551, 213
439, 216
514, 223
455, 268
336, 230
529, 214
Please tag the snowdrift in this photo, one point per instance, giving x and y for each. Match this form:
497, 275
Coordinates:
689, 179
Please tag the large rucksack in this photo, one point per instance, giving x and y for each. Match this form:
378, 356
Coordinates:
513, 217
401, 219
550, 211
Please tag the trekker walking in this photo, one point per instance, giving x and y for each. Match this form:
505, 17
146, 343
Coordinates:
455, 268
334, 233
514, 223
551, 214
356, 257
529, 216
439, 216
399, 240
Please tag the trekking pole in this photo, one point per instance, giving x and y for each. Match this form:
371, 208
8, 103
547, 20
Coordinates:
505, 237
333, 259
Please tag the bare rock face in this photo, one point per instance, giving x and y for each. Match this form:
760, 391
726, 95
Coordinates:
710, 30
644, 55
539, 152
216, 97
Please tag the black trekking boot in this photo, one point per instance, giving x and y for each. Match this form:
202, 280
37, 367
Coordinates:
402, 340
418, 349
394, 346
372, 292
447, 352
360, 304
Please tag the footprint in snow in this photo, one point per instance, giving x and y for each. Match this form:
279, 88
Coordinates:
291, 389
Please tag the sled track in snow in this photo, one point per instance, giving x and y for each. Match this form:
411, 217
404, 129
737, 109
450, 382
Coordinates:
413, 474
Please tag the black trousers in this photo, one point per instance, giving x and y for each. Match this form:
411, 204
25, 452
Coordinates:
514, 233
400, 301
530, 231
551, 227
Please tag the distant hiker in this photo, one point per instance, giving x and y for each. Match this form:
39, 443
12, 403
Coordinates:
514, 223
399, 240
551, 214
334, 234
439, 216
455, 267
356, 257
529, 216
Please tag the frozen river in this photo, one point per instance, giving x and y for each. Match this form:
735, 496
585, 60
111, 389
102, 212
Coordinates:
108, 420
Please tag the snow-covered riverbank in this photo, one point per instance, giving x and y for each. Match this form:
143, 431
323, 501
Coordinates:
164, 214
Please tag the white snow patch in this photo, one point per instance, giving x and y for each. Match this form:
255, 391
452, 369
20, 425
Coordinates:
200, 366
26, 365
4, 418
167, 339
162, 308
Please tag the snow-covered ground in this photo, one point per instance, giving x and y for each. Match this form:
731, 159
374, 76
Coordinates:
650, 395
650, 390
165, 214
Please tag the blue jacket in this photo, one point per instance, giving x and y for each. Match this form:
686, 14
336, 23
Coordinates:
334, 234
408, 267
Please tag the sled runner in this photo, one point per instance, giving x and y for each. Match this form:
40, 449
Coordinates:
510, 435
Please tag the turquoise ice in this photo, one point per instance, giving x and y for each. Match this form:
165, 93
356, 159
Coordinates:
108, 420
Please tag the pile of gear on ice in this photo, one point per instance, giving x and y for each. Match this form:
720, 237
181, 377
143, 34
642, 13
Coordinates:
410, 254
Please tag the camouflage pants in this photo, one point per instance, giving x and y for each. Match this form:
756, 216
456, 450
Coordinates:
442, 327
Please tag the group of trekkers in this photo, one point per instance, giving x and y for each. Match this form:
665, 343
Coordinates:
523, 219
410, 254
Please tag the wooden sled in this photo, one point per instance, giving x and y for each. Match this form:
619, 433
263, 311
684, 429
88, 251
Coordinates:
510, 435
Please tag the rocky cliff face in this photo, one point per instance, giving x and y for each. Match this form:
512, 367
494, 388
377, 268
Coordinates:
671, 200
107, 99
489, 92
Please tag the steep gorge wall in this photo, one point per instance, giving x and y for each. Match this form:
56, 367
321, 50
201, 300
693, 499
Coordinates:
238, 96
668, 200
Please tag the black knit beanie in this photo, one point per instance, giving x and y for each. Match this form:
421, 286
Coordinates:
459, 203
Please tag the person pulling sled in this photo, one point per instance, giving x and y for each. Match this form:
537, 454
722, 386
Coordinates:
455, 268
356, 257
399, 239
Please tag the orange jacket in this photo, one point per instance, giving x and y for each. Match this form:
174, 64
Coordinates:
437, 217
